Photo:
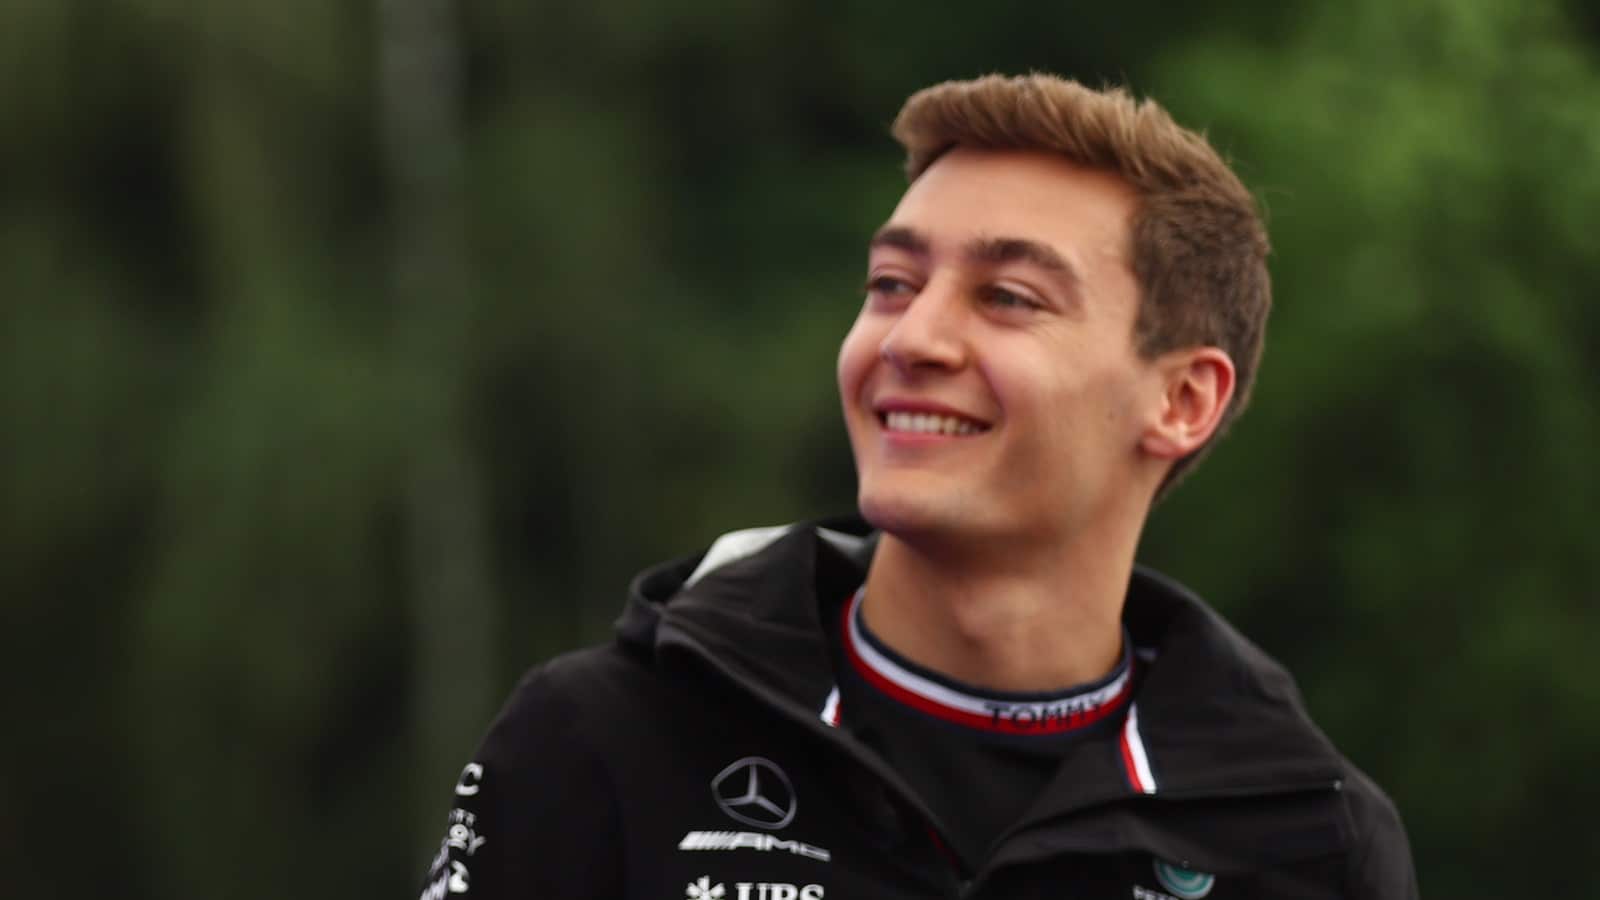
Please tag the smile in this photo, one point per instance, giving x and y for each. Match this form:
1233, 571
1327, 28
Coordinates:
929, 423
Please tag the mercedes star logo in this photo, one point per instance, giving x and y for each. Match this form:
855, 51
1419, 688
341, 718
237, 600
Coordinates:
755, 791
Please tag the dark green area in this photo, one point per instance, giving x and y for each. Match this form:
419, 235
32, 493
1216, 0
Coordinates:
355, 355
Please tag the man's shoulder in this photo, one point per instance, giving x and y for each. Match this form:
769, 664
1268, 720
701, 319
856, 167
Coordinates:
1219, 711
579, 685
1371, 808
1199, 656
1380, 861
1222, 715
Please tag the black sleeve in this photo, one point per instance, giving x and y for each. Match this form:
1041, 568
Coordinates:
534, 811
1381, 867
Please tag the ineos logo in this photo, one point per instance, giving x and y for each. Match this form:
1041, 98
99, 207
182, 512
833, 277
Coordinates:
755, 791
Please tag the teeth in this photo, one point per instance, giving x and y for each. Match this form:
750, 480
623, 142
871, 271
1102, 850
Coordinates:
928, 423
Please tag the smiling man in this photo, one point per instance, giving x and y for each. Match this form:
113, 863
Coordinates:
971, 690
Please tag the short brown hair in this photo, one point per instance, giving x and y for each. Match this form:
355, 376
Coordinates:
1199, 247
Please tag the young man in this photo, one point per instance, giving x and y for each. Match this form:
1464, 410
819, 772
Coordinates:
974, 692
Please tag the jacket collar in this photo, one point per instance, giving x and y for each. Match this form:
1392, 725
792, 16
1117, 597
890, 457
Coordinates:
751, 601
1217, 716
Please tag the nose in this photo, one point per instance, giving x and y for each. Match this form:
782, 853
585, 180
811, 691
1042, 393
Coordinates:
928, 332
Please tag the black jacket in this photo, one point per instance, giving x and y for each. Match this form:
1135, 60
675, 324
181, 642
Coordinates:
688, 760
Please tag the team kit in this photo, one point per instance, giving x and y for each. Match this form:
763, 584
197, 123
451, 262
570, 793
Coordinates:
714, 756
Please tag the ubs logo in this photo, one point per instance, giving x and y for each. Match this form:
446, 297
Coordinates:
755, 791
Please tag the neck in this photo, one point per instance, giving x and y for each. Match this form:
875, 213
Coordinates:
1026, 619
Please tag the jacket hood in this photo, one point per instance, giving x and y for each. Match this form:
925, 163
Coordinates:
1217, 715
751, 600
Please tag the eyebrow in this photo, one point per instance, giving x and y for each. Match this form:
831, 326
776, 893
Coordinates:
998, 250
990, 250
901, 238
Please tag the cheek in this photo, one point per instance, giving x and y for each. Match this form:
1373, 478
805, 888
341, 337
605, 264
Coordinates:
856, 355
1072, 417
1119, 410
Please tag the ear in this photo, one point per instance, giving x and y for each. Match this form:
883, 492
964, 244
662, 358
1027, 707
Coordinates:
1196, 385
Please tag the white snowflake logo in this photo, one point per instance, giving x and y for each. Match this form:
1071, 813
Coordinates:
705, 890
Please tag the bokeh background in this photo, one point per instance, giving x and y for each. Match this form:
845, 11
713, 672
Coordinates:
355, 355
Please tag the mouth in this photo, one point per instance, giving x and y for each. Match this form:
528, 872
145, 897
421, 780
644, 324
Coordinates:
909, 422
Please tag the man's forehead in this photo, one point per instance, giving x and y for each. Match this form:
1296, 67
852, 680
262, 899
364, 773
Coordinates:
1002, 202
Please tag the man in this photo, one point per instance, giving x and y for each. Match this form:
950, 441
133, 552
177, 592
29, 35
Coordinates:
974, 692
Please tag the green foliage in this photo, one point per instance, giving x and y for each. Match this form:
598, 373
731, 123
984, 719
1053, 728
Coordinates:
1420, 486
235, 381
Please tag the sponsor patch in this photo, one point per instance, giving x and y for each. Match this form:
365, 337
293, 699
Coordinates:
756, 792
704, 888
1186, 884
750, 840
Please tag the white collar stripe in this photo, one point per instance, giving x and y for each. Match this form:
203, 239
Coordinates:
1135, 760
830, 708
1043, 716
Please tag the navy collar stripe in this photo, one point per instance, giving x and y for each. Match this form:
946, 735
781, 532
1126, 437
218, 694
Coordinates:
1046, 716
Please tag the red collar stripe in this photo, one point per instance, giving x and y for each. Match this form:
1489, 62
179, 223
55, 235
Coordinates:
1056, 715
1135, 762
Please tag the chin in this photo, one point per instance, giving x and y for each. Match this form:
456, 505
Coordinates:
905, 516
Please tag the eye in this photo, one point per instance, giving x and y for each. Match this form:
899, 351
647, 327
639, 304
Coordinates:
1005, 298
889, 291
888, 286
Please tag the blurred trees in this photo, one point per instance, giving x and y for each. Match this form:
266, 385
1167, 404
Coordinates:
1421, 480
216, 391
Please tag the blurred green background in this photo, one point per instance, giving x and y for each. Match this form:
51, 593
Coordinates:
356, 354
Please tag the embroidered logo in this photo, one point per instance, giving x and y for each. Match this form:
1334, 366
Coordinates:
1185, 883
705, 890
471, 777
750, 840
755, 791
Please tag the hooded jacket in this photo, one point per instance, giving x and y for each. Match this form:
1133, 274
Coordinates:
690, 759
